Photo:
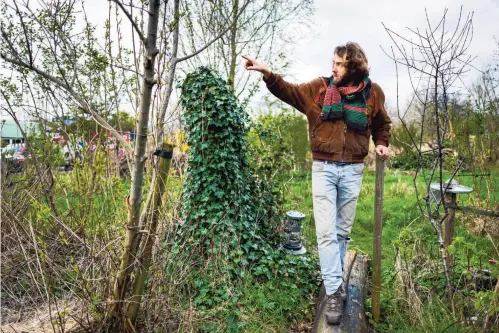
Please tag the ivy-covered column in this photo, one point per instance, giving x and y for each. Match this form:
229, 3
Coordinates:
219, 208
227, 230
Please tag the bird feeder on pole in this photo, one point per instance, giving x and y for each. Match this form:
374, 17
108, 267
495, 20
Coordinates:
451, 189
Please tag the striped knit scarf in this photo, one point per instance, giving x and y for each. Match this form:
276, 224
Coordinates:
348, 103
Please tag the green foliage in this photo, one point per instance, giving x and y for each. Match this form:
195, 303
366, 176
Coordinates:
266, 307
474, 134
229, 218
280, 141
221, 205
488, 302
402, 137
267, 150
406, 153
410, 160
123, 122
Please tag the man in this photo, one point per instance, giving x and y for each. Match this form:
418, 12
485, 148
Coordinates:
342, 111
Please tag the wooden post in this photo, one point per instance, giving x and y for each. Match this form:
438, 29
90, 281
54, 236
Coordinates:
152, 217
450, 198
377, 232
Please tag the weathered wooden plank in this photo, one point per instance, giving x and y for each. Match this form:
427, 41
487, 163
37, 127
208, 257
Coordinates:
354, 318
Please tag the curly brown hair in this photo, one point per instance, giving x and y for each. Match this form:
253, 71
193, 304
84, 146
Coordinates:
356, 60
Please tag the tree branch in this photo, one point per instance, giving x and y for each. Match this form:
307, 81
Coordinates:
134, 24
215, 38
84, 105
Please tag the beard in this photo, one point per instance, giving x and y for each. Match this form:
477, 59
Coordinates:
347, 78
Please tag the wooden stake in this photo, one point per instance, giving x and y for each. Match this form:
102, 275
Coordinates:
152, 217
450, 199
377, 232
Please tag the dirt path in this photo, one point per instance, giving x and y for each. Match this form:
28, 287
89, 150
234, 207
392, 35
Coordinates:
39, 319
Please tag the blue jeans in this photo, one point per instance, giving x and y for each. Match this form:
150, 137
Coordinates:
335, 190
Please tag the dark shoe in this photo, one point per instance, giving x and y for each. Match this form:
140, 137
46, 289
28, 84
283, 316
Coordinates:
334, 308
343, 292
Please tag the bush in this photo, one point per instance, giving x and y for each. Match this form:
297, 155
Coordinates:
410, 161
280, 141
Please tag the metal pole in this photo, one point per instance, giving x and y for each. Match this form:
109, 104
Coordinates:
377, 232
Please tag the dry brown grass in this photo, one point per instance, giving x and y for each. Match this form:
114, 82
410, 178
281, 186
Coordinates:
481, 225
42, 318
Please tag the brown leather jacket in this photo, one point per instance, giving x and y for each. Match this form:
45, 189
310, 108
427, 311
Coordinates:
333, 140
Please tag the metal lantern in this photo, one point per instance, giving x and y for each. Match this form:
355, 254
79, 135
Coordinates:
293, 244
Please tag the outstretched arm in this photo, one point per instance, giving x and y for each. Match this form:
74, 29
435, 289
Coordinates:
299, 96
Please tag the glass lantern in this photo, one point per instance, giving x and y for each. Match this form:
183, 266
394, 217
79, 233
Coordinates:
293, 244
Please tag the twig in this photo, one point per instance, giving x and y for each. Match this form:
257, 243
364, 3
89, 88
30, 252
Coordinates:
132, 21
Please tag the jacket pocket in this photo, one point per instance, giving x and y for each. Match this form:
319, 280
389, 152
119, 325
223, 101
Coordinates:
360, 143
325, 137
323, 131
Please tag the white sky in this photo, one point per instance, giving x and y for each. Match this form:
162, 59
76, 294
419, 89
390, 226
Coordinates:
337, 22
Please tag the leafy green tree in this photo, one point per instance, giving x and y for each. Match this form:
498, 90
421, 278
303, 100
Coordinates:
123, 121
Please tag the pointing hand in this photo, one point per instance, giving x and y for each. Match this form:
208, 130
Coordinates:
254, 65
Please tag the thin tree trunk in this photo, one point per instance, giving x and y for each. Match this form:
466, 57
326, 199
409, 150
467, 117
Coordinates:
153, 215
440, 137
445, 264
164, 104
233, 35
135, 197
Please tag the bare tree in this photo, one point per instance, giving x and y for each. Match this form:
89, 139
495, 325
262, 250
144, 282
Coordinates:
435, 57
52, 54
262, 29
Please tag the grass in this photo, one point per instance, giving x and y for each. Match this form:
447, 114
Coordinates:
272, 306
401, 212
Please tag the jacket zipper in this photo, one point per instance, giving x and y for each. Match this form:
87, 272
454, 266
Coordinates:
344, 133
344, 140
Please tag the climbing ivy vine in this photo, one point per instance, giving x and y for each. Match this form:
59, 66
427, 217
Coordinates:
220, 206
229, 217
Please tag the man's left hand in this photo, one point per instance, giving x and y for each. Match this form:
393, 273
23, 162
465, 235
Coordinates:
382, 152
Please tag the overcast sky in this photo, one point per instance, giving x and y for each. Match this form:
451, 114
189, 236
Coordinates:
336, 22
